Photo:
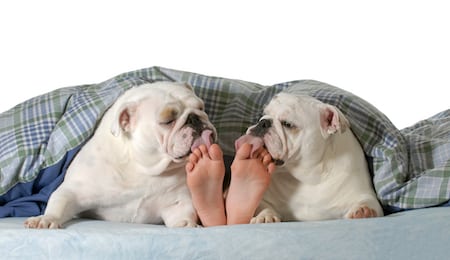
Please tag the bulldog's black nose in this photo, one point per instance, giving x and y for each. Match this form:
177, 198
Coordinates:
265, 123
262, 127
194, 120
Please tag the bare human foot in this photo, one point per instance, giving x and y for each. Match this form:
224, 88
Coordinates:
250, 178
205, 173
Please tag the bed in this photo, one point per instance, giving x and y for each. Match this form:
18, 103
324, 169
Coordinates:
410, 170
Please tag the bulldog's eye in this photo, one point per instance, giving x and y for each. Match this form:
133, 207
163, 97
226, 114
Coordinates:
167, 123
168, 115
287, 124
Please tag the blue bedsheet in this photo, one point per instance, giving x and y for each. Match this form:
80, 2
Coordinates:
416, 234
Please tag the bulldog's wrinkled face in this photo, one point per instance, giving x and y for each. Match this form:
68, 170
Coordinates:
164, 118
294, 127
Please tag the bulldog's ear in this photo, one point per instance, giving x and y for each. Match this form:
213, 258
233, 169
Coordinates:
188, 86
332, 120
124, 119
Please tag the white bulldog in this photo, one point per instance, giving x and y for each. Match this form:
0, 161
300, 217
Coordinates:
132, 169
322, 172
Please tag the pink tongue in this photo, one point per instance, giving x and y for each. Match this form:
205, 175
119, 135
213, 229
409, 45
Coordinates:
255, 141
205, 138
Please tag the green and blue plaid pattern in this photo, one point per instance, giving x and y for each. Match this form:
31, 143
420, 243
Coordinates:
411, 167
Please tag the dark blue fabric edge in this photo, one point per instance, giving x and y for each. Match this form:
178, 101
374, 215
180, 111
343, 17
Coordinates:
30, 199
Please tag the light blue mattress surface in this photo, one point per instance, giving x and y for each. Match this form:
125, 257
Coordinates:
415, 234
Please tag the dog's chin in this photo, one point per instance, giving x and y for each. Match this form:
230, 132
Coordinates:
276, 157
278, 162
181, 154
180, 158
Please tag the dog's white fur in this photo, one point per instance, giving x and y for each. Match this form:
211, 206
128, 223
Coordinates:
132, 169
324, 174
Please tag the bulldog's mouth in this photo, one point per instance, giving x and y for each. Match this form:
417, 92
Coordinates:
206, 137
188, 139
256, 142
278, 162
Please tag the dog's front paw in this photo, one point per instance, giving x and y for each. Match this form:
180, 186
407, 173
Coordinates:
361, 212
185, 223
265, 219
266, 216
44, 222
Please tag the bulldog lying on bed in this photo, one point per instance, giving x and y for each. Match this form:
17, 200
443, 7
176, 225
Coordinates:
322, 172
132, 169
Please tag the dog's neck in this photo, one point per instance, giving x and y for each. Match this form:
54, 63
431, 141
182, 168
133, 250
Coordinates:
314, 169
311, 174
130, 159
151, 166
152, 163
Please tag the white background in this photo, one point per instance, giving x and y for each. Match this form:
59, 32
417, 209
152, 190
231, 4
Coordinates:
394, 54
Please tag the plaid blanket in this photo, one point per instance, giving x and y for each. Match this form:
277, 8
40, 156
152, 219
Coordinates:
411, 168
